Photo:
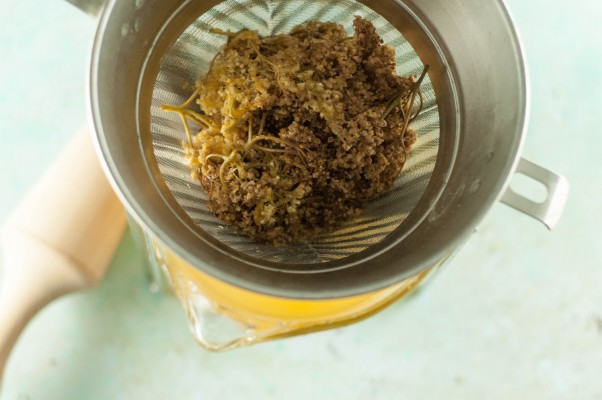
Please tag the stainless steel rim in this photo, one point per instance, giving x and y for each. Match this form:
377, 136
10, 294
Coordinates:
305, 290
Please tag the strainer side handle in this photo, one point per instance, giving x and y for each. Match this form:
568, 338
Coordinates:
551, 209
90, 7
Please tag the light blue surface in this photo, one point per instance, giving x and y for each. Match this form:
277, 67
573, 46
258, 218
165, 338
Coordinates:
517, 314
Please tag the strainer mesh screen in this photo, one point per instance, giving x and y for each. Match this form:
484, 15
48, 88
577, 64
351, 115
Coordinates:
189, 59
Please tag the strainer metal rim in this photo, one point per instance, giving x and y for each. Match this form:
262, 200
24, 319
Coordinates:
144, 219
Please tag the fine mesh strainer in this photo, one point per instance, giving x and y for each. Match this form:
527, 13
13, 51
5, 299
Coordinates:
149, 53
190, 58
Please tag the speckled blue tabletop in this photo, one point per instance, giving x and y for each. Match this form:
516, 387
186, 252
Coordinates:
517, 314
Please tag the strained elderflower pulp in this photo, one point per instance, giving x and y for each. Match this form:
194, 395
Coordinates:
299, 131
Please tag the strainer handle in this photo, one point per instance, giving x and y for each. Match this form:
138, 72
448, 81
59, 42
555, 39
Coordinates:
551, 209
90, 7
59, 239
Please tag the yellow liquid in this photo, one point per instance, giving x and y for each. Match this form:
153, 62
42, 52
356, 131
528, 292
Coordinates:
272, 317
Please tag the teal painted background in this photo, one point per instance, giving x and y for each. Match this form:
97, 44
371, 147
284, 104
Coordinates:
517, 314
